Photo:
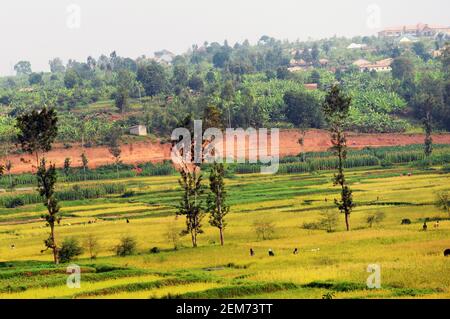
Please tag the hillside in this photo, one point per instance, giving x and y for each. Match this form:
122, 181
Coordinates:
148, 151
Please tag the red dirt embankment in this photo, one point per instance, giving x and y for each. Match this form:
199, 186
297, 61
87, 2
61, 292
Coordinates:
139, 152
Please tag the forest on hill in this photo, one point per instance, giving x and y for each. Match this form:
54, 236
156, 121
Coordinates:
272, 83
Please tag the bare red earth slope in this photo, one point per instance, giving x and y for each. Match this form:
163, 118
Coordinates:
139, 152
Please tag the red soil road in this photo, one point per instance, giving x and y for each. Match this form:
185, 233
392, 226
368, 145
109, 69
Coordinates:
140, 152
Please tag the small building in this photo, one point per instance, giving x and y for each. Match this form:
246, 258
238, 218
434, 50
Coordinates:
139, 130
299, 62
418, 30
378, 66
353, 46
407, 39
361, 62
311, 86
323, 62
299, 65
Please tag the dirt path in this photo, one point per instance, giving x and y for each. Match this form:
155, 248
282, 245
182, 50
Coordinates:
140, 152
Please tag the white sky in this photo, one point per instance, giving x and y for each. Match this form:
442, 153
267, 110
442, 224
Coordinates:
36, 30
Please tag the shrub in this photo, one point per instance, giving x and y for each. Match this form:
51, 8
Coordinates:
173, 235
446, 169
155, 250
14, 202
128, 194
264, 229
92, 246
375, 218
311, 226
70, 249
385, 163
443, 201
406, 221
329, 219
126, 247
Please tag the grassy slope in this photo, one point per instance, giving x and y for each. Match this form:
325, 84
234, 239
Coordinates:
411, 260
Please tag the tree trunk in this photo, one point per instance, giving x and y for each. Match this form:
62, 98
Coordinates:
347, 224
55, 250
194, 239
221, 236
37, 161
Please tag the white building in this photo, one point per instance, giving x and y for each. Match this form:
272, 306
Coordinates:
356, 46
139, 130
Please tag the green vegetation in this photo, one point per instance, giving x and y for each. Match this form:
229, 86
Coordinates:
284, 235
250, 85
412, 261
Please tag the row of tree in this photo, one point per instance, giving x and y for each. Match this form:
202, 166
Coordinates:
37, 131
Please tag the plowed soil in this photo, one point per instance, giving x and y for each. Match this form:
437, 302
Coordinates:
139, 152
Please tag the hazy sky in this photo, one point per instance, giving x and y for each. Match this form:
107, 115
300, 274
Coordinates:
37, 30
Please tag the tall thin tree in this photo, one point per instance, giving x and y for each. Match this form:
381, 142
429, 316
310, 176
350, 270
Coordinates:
336, 110
428, 126
191, 204
47, 179
37, 132
216, 200
429, 101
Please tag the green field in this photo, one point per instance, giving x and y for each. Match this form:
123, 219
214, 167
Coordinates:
411, 260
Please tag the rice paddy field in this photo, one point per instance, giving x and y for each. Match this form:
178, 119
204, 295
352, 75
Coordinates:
328, 263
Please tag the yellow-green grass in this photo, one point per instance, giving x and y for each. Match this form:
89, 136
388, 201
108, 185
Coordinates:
411, 260
161, 292
63, 290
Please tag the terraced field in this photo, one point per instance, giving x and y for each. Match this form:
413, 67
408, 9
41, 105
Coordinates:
411, 260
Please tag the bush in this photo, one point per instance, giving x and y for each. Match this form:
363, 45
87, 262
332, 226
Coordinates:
329, 220
406, 221
446, 169
128, 194
311, 226
92, 245
155, 250
264, 229
14, 202
126, 247
173, 235
386, 163
69, 250
375, 218
422, 164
